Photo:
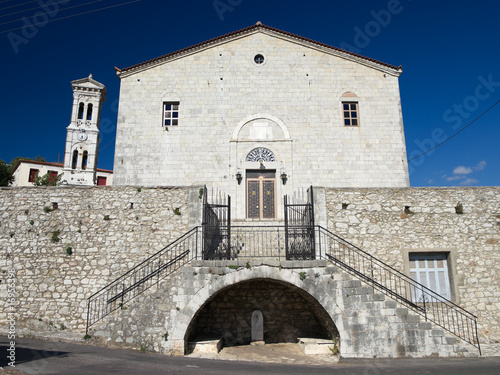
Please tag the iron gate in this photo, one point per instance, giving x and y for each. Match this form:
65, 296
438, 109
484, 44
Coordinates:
216, 226
299, 228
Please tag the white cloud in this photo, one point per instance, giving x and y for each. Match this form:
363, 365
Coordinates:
480, 166
453, 178
462, 170
469, 181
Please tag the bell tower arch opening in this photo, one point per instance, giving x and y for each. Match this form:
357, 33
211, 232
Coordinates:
288, 313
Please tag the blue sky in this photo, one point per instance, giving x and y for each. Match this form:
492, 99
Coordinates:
449, 50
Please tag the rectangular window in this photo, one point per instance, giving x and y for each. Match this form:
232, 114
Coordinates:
171, 114
350, 113
52, 176
101, 181
431, 270
33, 173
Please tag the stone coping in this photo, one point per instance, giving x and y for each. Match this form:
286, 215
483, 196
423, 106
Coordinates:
260, 262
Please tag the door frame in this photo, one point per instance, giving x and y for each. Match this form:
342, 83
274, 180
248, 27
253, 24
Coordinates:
261, 180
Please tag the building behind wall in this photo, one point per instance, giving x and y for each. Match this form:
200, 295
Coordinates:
259, 104
82, 143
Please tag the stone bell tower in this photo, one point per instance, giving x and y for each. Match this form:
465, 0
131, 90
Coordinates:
82, 137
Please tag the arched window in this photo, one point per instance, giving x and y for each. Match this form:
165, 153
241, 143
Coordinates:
74, 161
84, 160
260, 153
80, 111
89, 112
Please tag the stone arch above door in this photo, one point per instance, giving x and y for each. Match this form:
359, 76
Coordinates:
260, 127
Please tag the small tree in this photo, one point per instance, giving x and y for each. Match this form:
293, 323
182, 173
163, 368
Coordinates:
48, 180
6, 177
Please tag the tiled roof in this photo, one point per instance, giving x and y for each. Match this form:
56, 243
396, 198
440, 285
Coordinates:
249, 29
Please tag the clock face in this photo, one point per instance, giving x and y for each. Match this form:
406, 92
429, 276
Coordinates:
82, 136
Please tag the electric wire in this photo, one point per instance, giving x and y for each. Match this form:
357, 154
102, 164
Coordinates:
458, 132
73, 15
52, 11
18, 5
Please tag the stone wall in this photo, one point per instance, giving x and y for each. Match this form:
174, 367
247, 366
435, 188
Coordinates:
375, 220
67, 243
108, 230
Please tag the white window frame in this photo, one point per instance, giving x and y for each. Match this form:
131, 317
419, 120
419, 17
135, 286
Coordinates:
168, 114
424, 268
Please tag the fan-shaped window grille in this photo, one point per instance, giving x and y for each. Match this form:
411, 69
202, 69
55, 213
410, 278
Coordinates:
260, 153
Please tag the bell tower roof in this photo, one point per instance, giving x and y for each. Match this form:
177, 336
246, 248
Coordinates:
89, 84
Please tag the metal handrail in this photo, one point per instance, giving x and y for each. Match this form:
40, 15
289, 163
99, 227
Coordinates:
398, 286
143, 276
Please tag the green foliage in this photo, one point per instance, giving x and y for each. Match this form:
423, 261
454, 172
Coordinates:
302, 275
200, 194
165, 336
32, 222
248, 266
62, 327
139, 190
86, 337
177, 211
11, 234
69, 250
335, 348
345, 205
55, 236
106, 217
48, 180
6, 177
48, 209
459, 208
233, 266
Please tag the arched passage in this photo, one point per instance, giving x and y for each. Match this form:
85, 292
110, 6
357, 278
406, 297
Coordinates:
288, 312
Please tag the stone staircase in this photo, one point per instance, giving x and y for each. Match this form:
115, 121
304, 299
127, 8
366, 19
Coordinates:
369, 323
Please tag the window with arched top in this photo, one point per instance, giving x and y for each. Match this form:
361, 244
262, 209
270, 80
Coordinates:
89, 112
74, 161
84, 159
260, 153
350, 109
81, 108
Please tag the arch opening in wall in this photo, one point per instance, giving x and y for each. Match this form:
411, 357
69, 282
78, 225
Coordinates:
89, 112
288, 313
85, 159
74, 161
80, 111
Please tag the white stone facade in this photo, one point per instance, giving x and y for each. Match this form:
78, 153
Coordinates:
82, 137
22, 173
291, 104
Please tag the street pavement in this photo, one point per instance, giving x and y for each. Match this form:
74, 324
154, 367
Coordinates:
51, 358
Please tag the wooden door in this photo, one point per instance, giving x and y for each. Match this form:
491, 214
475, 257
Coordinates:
261, 194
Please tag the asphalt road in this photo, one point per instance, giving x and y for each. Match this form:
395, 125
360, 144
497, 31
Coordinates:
40, 357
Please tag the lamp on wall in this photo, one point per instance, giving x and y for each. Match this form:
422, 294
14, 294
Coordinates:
284, 178
239, 177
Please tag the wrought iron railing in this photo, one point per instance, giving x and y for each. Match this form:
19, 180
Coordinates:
216, 225
258, 242
299, 227
398, 286
143, 276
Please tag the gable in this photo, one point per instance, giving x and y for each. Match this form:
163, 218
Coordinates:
265, 30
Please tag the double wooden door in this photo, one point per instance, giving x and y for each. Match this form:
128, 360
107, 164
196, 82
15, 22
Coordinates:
261, 194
